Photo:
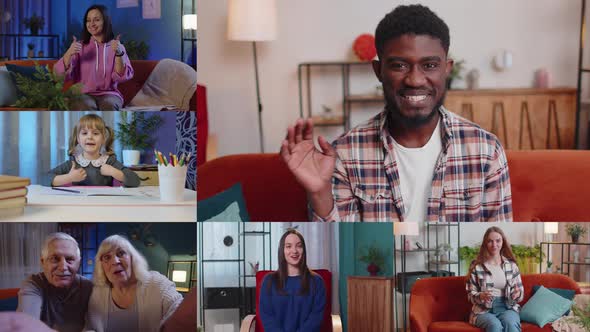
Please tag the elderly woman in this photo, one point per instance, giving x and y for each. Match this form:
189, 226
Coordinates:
126, 296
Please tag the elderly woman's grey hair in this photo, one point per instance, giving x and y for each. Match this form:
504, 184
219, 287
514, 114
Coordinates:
58, 236
139, 265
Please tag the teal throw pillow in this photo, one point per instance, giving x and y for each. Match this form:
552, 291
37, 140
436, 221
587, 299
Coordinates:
544, 307
228, 205
565, 293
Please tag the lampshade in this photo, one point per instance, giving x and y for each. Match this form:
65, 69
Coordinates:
252, 20
406, 228
550, 227
179, 276
189, 22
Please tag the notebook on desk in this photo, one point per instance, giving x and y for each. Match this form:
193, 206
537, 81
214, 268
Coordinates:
85, 191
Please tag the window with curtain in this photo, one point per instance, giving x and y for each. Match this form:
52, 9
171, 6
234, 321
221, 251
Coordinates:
12, 15
20, 251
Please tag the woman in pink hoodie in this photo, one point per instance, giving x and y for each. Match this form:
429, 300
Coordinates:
98, 61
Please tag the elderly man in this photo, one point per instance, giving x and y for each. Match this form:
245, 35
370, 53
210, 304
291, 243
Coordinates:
57, 296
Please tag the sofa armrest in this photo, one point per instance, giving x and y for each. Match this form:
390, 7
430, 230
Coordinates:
420, 313
336, 323
247, 323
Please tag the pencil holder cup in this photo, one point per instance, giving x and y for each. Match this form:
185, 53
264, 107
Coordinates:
172, 180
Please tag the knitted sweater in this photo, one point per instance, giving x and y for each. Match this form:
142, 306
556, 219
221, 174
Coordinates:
156, 297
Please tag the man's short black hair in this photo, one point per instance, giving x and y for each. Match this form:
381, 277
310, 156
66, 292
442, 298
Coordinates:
414, 20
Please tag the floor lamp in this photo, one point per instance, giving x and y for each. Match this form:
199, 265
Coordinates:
404, 229
550, 228
253, 20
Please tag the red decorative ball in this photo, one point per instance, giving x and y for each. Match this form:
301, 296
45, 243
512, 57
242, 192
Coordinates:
364, 47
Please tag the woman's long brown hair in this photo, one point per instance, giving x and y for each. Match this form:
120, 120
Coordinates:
279, 277
482, 256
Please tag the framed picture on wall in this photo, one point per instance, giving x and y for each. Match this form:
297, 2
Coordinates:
151, 9
127, 3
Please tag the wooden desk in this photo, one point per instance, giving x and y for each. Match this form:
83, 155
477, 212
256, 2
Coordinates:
370, 304
146, 207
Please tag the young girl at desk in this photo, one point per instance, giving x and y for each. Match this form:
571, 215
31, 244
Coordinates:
92, 160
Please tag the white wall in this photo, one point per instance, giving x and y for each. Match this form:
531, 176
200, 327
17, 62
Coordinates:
539, 33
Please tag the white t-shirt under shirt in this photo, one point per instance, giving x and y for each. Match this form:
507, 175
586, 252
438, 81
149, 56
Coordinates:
498, 278
416, 169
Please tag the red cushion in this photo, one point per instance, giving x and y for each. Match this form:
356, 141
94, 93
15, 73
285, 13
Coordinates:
270, 190
546, 185
466, 327
326, 276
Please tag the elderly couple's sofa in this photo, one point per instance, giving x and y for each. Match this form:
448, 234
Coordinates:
142, 70
547, 185
440, 304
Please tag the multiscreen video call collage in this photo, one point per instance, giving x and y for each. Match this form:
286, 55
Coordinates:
362, 171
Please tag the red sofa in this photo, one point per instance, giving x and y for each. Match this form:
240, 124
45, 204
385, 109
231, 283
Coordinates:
547, 185
141, 68
441, 305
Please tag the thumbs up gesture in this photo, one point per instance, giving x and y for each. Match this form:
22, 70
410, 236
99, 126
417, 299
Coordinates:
77, 174
116, 44
75, 47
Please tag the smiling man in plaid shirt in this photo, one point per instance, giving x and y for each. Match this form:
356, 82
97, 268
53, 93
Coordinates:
415, 161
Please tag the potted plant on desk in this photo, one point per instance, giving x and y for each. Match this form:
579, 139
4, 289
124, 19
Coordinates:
135, 134
374, 257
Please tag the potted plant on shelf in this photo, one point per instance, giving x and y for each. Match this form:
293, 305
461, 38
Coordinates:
549, 265
455, 74
374, 257
440, 252
34, 23
135, 134
575, 231
31, 52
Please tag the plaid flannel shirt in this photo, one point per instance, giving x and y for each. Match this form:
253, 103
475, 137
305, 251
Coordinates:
470, 181
480, 281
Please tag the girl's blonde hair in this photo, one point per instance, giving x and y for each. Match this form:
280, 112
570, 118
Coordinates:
139, 266
92, 121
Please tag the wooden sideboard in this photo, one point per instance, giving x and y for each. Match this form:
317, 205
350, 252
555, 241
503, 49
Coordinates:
523, 119
370, 304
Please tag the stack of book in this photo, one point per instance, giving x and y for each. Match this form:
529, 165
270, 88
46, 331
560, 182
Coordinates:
13, 192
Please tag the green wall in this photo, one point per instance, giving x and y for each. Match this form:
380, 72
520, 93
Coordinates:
353, 237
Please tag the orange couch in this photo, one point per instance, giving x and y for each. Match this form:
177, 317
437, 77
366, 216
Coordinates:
440, 304
547, 185
141, 68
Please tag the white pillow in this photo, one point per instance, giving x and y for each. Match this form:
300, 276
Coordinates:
170, 83
8, 94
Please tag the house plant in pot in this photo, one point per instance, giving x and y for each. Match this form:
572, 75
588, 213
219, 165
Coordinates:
374, 257
135, 134
575, 231
34, 24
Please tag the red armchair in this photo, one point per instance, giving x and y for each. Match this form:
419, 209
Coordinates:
440, 304
331, 322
